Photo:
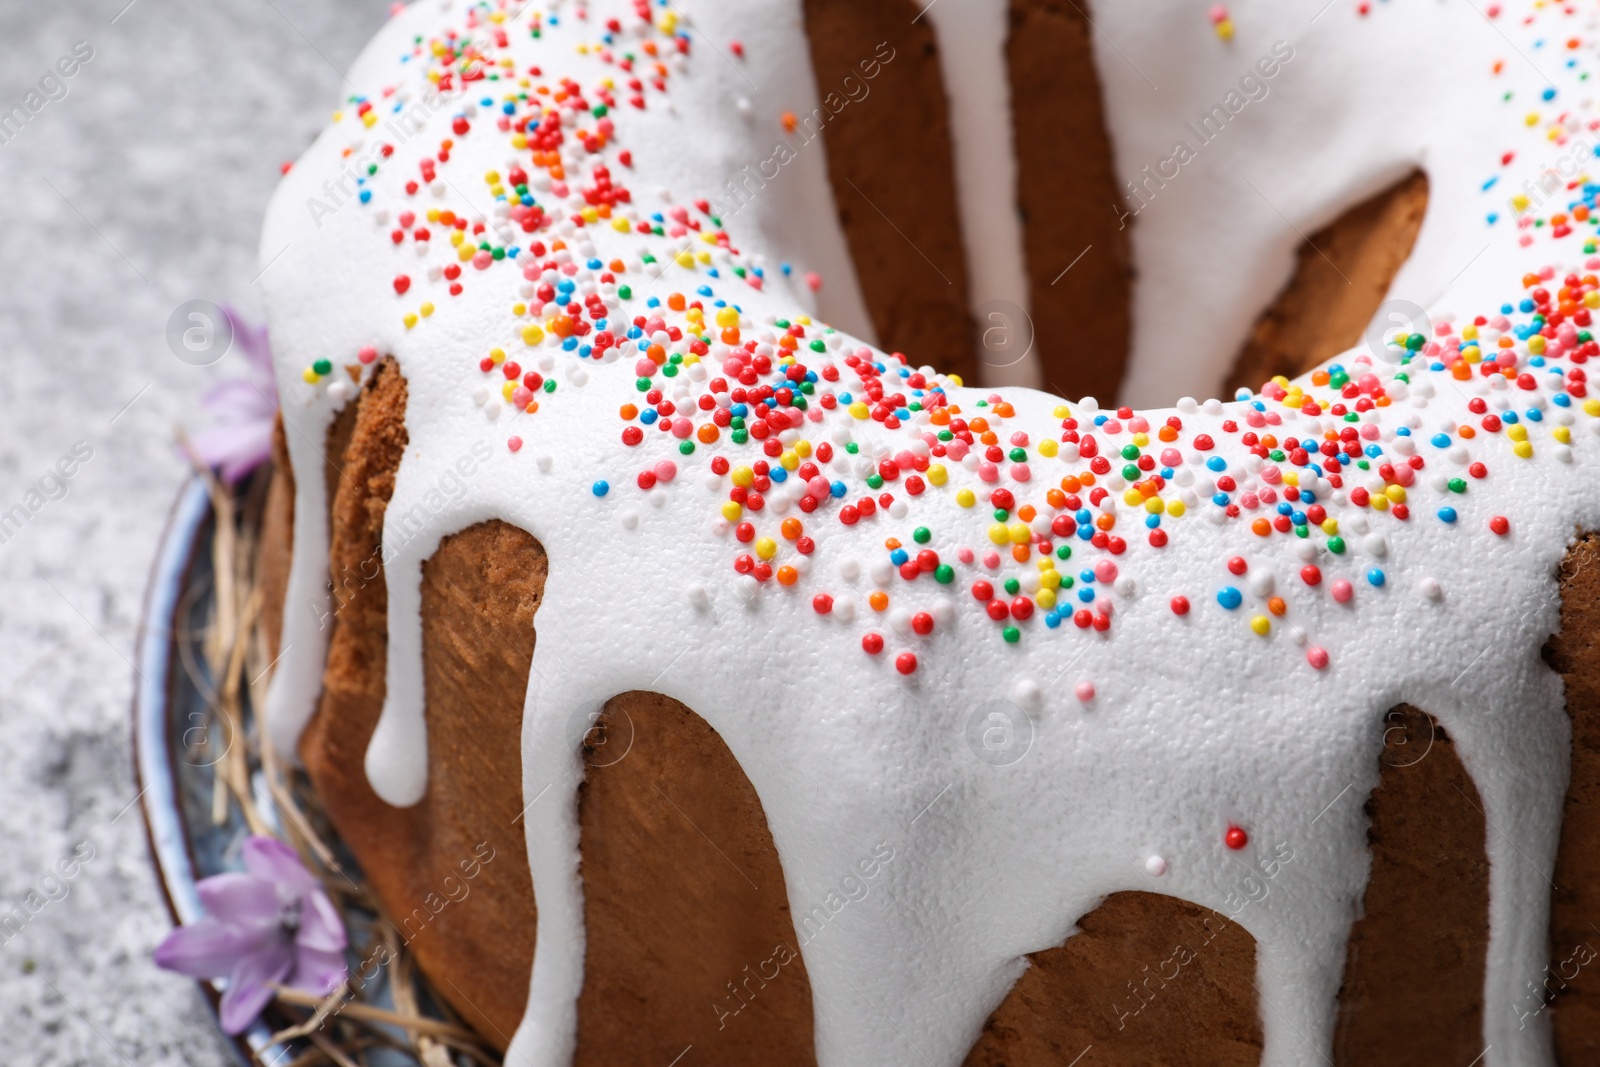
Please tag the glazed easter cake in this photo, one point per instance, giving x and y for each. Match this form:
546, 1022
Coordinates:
820, 708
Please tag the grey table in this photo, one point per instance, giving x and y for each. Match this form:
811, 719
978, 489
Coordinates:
137, 184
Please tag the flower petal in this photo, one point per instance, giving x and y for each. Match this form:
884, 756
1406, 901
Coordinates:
269, 858
234, 897
250, 985
208, 948
317, 971
321, 926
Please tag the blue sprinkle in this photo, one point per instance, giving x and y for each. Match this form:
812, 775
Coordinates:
1086, 595
1447, 514
1441, 440
897, 557
1375, 577
601, 488
648, 416
1220, 500
1216, 463
778, 474
1229, 597
837, 490
1052, 619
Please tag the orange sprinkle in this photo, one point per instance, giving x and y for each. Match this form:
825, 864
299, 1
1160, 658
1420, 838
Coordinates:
1261, 527
879, 600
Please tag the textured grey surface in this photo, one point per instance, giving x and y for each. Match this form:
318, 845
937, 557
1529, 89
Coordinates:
143, 187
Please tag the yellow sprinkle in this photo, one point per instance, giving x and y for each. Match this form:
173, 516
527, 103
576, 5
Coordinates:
1154, 505
727, 317
1523, 449
1330, 526
1141, 439
1132, 497
1048, 447
1469, 333
1045, 598
1060, 411
370, 119
456, 237
955, 380
743, 477
966, 498
801, 448
789, 460
1396, 493
1050, 579
1520, 202
1261, 625
532, 334
506, 389
766, 547
859, 410
426, 309
1019, 533
1379, 502
1562, 434
410, 320
310, 376
1175, 508
1536, 344
1591, 407
937, 474
519, 308
685, 259
1517, 432
621, 225
998, 534
731, 510
1591, 299
498, 355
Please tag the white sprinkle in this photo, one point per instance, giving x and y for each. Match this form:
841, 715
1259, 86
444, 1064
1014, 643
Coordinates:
1155, 866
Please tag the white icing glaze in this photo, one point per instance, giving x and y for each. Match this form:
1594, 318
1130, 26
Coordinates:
1148, 742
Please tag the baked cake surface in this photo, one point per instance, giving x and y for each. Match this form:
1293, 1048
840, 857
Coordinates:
1025, 659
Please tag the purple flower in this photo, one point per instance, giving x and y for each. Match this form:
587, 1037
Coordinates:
269, 924
243, 408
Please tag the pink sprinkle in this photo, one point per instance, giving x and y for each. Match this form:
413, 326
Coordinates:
1218, 13
813, 281
367, 354
1342, 590
965, 554
1105, 571
1084, 691
991, 559
1317, 657
515, 444
666, 470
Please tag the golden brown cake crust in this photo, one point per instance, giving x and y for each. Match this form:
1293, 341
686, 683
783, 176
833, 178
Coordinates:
451, 872
1342, 273
1414, 966
890, 163
1071, 201
690, 948
1148, 980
